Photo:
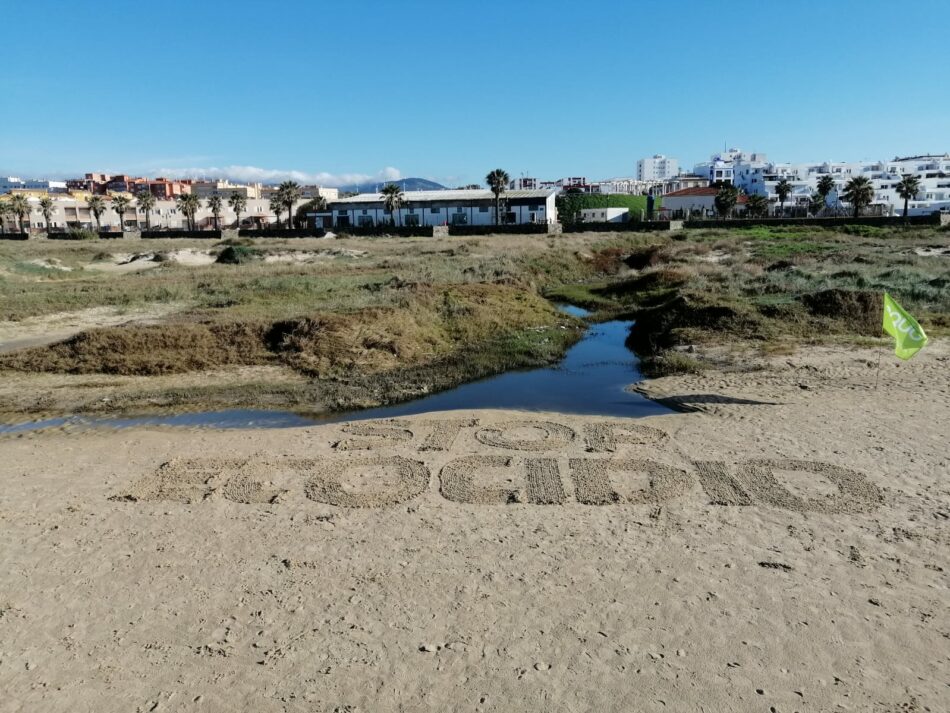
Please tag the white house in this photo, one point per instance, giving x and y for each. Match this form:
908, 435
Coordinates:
694, 201
448, 207
605, 215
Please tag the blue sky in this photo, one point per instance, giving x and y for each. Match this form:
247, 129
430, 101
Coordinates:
449, 90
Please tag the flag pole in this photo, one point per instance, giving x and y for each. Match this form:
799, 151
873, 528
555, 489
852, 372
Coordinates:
877, 380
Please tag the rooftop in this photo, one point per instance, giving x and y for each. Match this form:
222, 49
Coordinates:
448, 195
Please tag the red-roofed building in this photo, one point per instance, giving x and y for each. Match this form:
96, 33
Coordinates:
694, 200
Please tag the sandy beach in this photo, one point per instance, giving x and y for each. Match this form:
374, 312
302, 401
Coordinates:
782, 547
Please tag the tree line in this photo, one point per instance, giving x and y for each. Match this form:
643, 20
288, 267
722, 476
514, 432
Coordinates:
287, 194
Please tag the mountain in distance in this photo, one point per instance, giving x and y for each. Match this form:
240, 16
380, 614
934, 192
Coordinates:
407, 184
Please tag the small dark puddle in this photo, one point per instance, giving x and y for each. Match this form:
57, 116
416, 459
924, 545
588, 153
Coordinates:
590, 380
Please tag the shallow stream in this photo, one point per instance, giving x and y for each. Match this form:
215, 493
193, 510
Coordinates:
590, 379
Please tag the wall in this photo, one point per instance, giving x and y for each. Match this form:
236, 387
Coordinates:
880, 221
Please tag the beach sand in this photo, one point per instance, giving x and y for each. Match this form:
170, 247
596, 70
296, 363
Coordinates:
783, 547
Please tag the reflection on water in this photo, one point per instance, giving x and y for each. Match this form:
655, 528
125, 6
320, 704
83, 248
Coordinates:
589, 380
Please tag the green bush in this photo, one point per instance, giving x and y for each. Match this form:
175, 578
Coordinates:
80, 234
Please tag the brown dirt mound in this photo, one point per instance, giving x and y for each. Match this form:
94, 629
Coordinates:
147, 350
858, 309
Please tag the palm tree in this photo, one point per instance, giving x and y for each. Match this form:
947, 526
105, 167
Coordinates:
826, 184
908, 188
289, 192
238, 202
276, 205
120, 204
726, 200
393, 199
5, 210
20, 207
497, 181
757, 206
46, 208
214, 205
188, 204
146, 202
314, 205
816, 203
97, 207
783, 189
859, 192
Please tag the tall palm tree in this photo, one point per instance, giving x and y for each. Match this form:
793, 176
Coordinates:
20, 207
726, 200
757, 206
214, 205
188, 204
497, 181
816, 203
97, 207
393, 199
908, 188
277, 205
783, 189
289, 192
120, 204
238, 202
859, 192
146, 201
46, 208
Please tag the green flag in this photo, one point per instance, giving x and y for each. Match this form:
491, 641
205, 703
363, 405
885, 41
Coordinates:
909, 338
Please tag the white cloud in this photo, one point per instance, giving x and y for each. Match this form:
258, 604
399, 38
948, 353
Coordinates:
255, 174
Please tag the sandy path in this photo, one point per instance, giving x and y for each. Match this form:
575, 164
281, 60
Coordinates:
240, 576
51, 328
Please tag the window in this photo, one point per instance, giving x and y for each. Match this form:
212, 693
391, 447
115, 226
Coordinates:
434, 210
411, 220
459, 219
536, 208
341, 212
483, 209
365, 212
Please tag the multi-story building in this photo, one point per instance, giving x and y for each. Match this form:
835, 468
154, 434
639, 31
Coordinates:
657, 168
721, 166
682, 182
71, 210
308, 192
12, 183
446, 207
933, 171
523, 183
203, 189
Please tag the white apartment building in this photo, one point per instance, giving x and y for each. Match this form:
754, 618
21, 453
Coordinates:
657, 168
761, 177
720, 167
629, 186
204, 189
448, 207
12, 183
523, 183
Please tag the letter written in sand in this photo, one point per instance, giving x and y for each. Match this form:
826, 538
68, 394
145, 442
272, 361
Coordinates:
184, 480
371, 435
373, 481
605, 437
526, 436
443, 433
466, 480
658, 482
851, 491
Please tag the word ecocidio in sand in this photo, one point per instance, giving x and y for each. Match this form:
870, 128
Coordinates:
363, 478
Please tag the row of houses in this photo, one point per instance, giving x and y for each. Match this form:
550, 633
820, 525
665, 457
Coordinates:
754, 174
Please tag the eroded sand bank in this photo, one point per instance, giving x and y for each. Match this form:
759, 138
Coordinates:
784, 548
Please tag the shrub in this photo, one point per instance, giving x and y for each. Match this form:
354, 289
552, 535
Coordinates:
669, 363
80, 234
237, 255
